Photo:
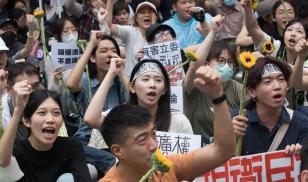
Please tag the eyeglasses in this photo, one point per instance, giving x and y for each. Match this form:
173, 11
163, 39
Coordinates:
222, 61
165, 33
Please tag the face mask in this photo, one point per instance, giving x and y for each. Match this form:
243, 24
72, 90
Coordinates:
73, 37
229, 2
225, 71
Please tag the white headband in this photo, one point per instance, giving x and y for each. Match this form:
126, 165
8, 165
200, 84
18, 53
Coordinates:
146, 67
270, 69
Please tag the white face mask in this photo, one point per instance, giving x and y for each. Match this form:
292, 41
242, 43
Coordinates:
73, 37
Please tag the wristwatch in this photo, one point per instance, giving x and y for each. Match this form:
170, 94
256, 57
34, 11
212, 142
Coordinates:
219, 100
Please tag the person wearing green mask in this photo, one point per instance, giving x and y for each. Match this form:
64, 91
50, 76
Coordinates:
198, 105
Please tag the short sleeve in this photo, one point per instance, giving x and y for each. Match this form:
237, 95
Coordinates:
183, 165
276, 44
11, 172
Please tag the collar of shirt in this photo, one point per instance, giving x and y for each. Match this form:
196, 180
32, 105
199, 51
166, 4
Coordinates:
96, 83
176, 20
254, 118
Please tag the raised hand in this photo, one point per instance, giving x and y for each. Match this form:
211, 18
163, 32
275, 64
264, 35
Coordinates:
217, 23
57, 74
30, 22
101, 15
240, 125
301, 48
197, 13
22, 91
116, 65
113, 1
208, 80
95, 37
246, 3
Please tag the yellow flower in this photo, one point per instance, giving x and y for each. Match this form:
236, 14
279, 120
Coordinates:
255, 4
38, 13
247, 60
160, 162
191, 56
268, 47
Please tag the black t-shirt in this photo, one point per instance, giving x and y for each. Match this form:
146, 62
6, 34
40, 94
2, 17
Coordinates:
66, 156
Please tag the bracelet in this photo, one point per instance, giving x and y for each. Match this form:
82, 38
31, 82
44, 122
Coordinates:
219, 100
31, 36
205, 29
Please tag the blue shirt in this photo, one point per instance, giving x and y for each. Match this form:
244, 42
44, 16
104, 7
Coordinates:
117, 94
258, 138
187, 34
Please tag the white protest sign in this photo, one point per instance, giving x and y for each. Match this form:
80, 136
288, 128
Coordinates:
169, 54
56, 2
64, 55
263, 167
176, 98
177, 143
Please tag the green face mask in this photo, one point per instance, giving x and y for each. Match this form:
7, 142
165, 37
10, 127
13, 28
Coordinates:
225, 71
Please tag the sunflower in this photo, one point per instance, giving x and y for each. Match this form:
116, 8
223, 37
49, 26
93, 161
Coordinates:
191, 56
268, 47
38, 13
160, 162
255, 4
247, 60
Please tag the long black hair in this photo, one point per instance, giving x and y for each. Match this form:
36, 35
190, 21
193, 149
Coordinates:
163, 114
92, 66
36, 98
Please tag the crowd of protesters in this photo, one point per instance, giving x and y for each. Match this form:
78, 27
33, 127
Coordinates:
96, 121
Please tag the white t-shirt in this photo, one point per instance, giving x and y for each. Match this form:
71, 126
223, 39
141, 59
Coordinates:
134, 41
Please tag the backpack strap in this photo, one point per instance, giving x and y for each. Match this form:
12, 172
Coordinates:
280, 133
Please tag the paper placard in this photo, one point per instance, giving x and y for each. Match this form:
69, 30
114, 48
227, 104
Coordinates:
169, 54
176, 98
177, 143
263, 167
64, 55
56, 2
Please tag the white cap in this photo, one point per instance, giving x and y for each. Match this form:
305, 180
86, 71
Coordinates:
146, 4
3, 47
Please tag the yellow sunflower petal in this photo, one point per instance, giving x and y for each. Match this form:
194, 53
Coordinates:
161, 162
38, 13
268, 47
255, 4
247, 60
191, 56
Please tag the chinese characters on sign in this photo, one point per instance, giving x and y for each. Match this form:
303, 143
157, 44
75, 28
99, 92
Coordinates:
177, 143
64, 55
169, 54
265, 167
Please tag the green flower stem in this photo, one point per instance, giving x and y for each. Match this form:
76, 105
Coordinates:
242, 112
178, 66
88, 77
285, 10
41, 24
149, 173
46, 54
